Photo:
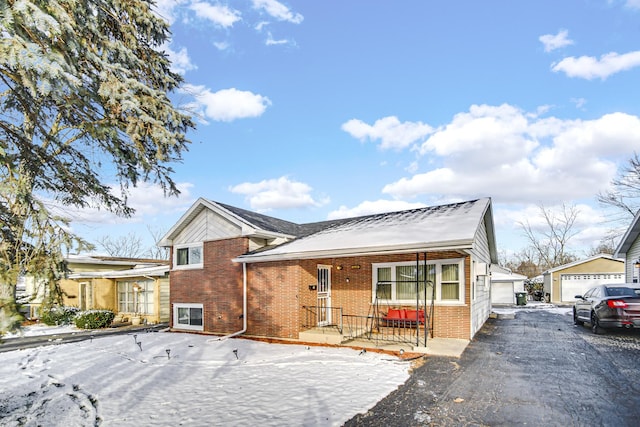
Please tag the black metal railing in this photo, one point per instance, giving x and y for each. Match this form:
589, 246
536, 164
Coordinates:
368, 328
322, 317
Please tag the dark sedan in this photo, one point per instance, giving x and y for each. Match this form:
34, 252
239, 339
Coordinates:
609, 306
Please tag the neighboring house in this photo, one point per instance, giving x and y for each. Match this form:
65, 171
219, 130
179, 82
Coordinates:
505, 284
629, 250
234, 271
127, 286
124, 285
563, 283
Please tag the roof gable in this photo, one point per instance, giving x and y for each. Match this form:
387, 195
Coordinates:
248, 223
629, 238
583, 261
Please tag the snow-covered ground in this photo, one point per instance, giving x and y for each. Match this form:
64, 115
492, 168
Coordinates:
551, 308
164, 378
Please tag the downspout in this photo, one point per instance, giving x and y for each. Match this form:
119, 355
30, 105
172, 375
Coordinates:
244, 306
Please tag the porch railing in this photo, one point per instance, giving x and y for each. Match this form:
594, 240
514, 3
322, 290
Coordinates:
367, 328
315, 316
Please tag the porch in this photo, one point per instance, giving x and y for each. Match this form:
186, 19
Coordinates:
330, 325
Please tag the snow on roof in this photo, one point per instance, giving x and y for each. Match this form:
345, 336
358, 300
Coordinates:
452, 226
111, 260
138, 271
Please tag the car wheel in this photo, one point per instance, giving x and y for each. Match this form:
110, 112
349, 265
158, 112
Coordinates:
595, 325
576, 321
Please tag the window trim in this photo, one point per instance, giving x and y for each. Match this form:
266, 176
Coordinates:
176, 248
438, 263
146, 286
189, 327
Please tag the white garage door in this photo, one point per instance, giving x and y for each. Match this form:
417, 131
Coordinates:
502, 293
577, 284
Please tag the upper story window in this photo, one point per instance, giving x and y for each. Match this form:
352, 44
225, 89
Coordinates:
396, 282
188, 256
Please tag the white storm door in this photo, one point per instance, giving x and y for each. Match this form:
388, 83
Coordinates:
324, 295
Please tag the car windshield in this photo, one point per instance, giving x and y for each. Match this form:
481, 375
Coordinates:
620, 291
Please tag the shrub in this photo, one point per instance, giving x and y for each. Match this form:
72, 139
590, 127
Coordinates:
58, 315
94, 319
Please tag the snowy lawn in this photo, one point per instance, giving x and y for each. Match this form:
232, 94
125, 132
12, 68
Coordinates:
114, 381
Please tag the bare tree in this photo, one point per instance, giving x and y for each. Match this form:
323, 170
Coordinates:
132, 245
155, 251
525, 262
624, 197
551, 242
129, 246
607, 245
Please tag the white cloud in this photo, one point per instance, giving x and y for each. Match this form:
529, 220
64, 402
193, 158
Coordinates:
278, 11
147, 199
227, 104
589, 67
389, 130
517, 157
369, 208
180, 60
166, 9
552, 42
590, 226
272, 42
580, 102
633, 4
260, 25
221, 45
280, 193
219, 15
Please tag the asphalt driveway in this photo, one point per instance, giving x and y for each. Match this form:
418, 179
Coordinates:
536, 370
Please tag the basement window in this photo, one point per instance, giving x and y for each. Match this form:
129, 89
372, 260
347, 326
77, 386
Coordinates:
188, 316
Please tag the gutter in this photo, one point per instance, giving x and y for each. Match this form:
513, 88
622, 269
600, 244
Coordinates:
244, 307
346, 252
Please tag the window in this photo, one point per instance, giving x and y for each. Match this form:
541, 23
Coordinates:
188, 256
188, 316
396, 282
136, 296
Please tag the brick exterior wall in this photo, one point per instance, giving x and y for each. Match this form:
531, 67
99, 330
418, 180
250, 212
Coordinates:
218, 285
277, 291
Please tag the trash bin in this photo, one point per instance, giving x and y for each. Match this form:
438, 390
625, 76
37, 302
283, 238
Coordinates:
521, 298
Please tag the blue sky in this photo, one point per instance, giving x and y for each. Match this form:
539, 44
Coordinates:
314, 110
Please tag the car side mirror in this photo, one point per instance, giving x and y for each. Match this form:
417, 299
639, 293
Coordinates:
578, 297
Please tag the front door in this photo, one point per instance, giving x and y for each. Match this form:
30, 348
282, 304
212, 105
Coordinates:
86, 296
324, 295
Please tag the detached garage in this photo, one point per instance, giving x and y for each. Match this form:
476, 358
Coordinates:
504, 285
563, 283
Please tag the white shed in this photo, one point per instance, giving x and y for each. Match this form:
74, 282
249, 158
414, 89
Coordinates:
505, 284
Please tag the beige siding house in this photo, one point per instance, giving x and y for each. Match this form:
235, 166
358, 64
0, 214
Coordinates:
563, 283
127, 286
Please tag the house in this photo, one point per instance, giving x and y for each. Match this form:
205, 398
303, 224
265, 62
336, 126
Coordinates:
124, 285
505, 284
234, 271
629, 250
563, 283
